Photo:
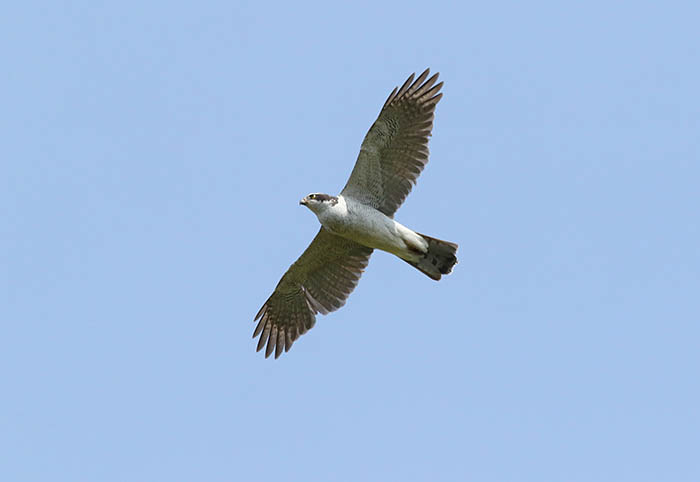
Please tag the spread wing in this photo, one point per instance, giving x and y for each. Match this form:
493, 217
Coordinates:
395, 150
318, 282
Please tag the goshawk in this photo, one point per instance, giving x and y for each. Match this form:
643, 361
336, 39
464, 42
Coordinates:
360, 220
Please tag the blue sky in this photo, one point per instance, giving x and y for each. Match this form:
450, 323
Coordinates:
152, 160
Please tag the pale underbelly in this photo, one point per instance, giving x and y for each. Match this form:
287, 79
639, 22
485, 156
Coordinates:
384, 234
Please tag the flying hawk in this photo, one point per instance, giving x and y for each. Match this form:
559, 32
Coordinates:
361, 219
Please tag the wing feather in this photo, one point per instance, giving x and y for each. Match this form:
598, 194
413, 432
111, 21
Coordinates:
395, 150
320, 281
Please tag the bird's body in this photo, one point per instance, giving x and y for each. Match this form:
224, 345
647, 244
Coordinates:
369, 227
361, 219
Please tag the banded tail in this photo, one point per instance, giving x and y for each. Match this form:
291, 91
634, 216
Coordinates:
438, 260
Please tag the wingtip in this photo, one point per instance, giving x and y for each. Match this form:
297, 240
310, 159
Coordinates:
260, 312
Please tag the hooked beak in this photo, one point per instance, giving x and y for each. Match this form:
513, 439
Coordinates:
303, 201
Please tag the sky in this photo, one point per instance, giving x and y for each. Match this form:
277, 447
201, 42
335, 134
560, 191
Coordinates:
152, 161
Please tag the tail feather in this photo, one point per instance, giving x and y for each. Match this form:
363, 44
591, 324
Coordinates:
438, 260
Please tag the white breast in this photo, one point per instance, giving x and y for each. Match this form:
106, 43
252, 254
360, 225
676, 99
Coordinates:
370, 227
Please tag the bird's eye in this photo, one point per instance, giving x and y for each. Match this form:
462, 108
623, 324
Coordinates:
313, 196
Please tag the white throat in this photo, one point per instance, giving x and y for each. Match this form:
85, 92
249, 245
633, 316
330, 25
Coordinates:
328, 213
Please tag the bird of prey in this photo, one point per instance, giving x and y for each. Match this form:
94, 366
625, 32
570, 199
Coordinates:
361, 219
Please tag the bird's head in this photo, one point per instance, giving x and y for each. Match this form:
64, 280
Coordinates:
318, 202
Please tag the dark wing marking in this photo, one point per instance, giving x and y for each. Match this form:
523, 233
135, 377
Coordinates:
320, 281
395, 150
